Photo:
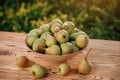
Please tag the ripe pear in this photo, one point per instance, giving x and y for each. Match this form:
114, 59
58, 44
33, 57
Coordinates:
45, 27
38, 71
73, 36
68, 26
55, 27
66, 48
56, 21
64, 69
81, 41
84, 66
30, 38
43, 36
62, 36
53, 50
23, 62
35, 32
50, 40
39, 45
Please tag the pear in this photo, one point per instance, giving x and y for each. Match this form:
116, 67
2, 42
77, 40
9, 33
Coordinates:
66, 48
30, 38
75, 48
50, 40
62, 36
43, 36
38, 71
68, 26
64, 69
81, 41
75, 30
55, 27
23, 62
73, 43
35, 32
73, 36
39, 45
84, 66
56, 21
53, 50
45, 27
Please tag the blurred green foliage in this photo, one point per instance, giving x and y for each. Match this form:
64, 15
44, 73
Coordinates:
99, 18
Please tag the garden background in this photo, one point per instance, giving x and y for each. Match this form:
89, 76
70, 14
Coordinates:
100, 19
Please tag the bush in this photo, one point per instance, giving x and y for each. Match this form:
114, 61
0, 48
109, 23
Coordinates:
100, 19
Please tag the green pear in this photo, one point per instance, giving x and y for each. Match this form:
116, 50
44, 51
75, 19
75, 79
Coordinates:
39, 45
66, 48
62, 36
38, 71
75, 30
50, 40
68, 26
23, 62
84, 66
73, 43
45, 27
75, 48
81, 41
64, 69
56, 21
55, 27
43, 36
35, 32
41, 31
30, 38
73, 36
53, 50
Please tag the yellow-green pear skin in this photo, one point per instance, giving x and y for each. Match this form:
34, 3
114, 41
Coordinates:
64, 69
30, 38
55, 27
84, 66
23, 62
53, 50
62, 36
81, 41
50, 40
68, 26
74, 35
35, 32
39, 45
38, 71
44, 35
45, 27
66, 48
56, 21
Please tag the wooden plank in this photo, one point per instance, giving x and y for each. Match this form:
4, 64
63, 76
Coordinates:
105, 60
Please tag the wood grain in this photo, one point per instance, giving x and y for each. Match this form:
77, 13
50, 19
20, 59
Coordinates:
104, 57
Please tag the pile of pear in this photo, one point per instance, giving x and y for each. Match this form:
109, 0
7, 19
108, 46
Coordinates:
57, 38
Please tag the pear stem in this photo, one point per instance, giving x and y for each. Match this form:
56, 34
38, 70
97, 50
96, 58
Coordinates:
87, 53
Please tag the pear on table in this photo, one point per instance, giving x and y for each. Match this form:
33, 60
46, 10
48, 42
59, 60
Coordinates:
23, 62
38, 71
84, 66
64, 69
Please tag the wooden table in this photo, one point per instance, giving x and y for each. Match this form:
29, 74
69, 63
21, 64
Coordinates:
104, 57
